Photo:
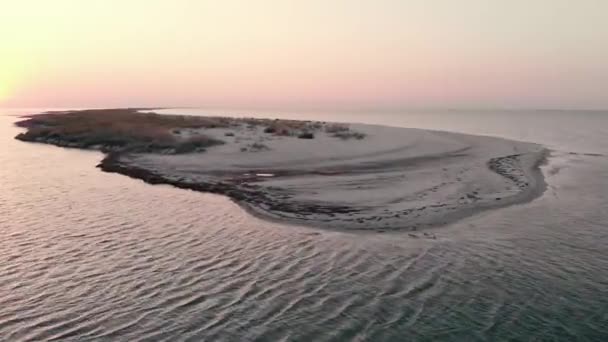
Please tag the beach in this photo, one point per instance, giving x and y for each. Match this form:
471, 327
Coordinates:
353, 177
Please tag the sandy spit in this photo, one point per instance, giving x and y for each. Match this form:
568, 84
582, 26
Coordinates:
392, 179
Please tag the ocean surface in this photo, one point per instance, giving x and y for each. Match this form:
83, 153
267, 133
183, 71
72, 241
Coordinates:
90, 256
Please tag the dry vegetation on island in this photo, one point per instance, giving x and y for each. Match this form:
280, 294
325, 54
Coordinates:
119, 130
343, 132
129, 130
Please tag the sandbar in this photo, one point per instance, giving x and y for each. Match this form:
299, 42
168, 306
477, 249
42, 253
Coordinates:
337, 176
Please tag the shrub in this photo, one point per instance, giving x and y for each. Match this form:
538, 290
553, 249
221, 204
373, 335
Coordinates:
195, 144
279, 127
316, 125
204, 141
285, 127
185, 147
259, 147
284, 132
349, 135
306, 135
336, 128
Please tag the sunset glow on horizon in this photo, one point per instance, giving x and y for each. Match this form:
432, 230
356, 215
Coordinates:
304, 54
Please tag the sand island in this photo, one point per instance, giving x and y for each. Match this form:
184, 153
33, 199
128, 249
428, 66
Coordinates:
322, 174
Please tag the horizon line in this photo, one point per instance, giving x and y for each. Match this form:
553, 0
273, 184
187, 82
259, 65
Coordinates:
320, 109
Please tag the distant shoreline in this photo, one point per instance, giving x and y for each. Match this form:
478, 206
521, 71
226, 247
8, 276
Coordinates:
350, 177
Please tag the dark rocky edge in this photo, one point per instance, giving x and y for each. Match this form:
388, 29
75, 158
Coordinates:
508, 167
276, 205
242, 193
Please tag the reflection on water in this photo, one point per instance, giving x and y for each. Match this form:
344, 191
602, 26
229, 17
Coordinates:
91, 256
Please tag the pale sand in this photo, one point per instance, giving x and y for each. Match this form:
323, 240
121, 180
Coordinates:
393, 179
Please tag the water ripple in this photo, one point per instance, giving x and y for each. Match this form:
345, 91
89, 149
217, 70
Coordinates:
88, 256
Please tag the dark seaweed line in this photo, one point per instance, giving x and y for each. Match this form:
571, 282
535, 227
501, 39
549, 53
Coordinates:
241, 194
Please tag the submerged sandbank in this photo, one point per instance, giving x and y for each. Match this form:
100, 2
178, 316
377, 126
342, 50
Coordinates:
353, 177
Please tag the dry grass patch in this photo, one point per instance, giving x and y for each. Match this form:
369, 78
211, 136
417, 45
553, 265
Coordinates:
336, 128
120, 129
290, 127
343, 132
349, 135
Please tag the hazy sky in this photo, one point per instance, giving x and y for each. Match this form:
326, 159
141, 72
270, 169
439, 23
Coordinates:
305, 53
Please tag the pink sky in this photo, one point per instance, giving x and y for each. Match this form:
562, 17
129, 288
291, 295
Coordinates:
296, 54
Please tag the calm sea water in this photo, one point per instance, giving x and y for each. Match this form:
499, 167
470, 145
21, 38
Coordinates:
89, 256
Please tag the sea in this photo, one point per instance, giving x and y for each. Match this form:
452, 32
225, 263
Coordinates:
92, 256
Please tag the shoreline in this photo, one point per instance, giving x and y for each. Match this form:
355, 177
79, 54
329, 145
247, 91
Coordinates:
387, 179
111, 164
